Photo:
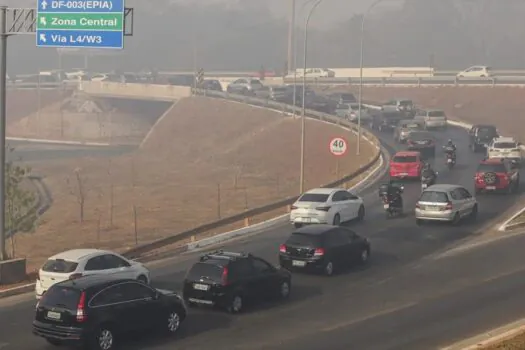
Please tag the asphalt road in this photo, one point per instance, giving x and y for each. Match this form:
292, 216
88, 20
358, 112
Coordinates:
404, 299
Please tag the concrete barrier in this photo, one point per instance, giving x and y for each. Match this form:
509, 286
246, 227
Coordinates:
152, 92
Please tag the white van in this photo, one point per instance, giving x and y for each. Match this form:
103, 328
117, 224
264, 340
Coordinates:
433, 118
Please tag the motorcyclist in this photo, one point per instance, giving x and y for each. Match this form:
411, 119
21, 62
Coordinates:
450, 148
428, 175
394, 194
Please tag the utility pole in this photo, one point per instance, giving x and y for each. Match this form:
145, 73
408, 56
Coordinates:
3, 99
291, 39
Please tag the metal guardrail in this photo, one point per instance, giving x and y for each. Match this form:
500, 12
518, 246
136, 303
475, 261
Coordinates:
418, 81
181, 236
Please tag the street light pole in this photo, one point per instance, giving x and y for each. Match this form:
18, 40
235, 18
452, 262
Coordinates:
3, 99
303, 118
358, 148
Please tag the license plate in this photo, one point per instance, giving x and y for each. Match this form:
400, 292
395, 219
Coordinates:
432, 208
424, 186
199, 286
449, 160
403, 174
491, 187
307, 219
386, 206
298, 263
53, 315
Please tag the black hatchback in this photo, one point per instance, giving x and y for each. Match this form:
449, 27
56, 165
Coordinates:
323, 248
230, 280
94, 311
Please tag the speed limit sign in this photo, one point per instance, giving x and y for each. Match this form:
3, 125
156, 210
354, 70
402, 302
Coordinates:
338, 146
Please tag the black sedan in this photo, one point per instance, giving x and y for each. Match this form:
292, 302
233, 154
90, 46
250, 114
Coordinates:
423, 142
323, 248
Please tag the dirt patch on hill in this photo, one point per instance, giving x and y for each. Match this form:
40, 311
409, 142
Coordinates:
207, 158
502, 106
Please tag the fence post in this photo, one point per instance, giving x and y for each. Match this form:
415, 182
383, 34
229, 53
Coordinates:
219, 200
135, 225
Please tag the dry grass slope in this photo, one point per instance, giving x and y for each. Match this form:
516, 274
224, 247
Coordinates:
203, 149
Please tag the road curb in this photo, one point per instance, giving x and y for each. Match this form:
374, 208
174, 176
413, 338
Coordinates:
491, 337
17, 290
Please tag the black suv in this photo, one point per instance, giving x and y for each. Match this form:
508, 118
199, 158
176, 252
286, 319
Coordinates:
323, 248
230, 280
481, 135
94, 311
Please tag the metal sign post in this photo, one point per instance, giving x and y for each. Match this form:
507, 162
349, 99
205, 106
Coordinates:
82, 23
338, 147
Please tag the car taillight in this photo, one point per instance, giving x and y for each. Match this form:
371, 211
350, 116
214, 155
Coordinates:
323, 208
418, 206
448, 206
75, 276
319, 252
293, 207
282, 248
81, 316
410, 142
224, 277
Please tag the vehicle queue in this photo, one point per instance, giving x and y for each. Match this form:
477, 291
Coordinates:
93, 297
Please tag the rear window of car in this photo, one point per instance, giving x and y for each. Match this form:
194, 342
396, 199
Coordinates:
411, 126
421, 136
436, 114
65, 297
491, 168
314, 197
505, 145
485, 130
279, 89
405, 103
404, 159
304, 239
348, 97
59, 265
255, 82
212, 271
434, 197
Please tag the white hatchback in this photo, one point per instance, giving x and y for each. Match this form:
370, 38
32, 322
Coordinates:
76, 263
326, 206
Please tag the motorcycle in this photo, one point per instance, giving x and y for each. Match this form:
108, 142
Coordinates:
391, 208
451, 160
428, 181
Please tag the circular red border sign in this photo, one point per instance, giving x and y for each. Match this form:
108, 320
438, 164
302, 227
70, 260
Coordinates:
338, 146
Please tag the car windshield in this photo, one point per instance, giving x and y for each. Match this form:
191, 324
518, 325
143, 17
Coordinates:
302, 239
487, 131
434, 197
209, 271
505, 145
255, 82
59, 265
421, 136
404, 159
436, 114
492, 168
314, 197
61, 296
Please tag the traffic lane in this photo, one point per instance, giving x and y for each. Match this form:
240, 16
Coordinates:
439, 304
392, 247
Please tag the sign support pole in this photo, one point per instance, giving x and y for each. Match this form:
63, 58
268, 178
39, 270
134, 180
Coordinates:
337, 168
3, 99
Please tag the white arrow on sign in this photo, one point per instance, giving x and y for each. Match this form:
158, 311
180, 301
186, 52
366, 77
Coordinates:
338, 146
44, 4
43, 21
43, 38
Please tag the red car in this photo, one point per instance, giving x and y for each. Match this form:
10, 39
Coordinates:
406, 164
496, 175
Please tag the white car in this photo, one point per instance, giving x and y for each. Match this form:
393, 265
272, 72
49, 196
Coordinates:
76, 263
326, 206
475, 72
505, 148
316, 73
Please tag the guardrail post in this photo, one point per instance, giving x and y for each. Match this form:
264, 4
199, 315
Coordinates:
418, 82
383, 81
349, 81
493, 82
456, 81
246, 222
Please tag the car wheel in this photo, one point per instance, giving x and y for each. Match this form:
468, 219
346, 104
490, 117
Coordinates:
284, 290
236, 304
365, 255
104, 339
173, 321
456, 219
297, 225
474, 213
329, 268
361, 213
54, 342
337, 220
142, 279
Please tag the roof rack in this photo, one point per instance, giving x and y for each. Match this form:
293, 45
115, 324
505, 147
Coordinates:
221, 254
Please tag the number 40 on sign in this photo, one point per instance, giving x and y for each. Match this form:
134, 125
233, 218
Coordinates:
338, 146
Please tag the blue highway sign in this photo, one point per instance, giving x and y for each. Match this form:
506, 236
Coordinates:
80, 23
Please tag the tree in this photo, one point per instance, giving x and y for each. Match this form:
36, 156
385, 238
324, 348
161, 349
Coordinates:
78, 192
20, 211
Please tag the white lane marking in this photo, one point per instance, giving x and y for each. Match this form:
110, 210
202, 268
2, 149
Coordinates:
368, 317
